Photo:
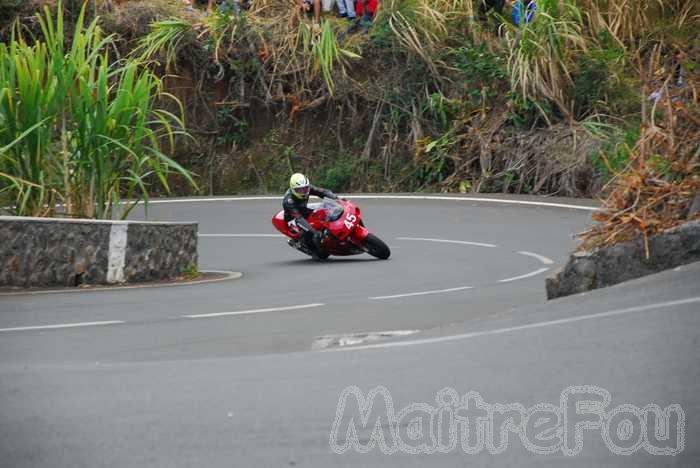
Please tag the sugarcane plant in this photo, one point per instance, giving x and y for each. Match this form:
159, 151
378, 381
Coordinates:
79, 130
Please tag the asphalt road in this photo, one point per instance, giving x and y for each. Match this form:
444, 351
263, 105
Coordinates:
250, 372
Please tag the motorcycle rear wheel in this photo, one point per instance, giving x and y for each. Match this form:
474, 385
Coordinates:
376, 247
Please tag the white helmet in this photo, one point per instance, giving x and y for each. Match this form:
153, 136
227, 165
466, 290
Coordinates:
300, 186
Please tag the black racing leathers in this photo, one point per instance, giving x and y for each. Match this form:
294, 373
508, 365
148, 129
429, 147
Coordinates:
296, 209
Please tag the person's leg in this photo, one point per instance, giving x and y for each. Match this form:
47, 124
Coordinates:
308, 7
516, 12
350, 8
369, 10
373, 6
342, 11
309, 238
531, 11
317, 10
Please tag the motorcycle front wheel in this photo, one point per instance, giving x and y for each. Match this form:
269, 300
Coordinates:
376, 247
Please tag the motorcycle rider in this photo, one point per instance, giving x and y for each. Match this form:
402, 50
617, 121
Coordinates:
295, 209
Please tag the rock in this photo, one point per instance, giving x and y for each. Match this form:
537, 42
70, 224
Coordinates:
625, 261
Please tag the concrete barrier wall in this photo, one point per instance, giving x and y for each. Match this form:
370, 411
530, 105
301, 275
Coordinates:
38, 252
627, 260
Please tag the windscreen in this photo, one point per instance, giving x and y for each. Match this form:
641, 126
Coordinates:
333, 210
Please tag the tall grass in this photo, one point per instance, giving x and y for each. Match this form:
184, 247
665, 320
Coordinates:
420, 27
577, 61
328, 55
77, 128
302, 56
543, 52
626, 20
165, 38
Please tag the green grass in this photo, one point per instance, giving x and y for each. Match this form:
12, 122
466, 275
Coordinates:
443, 83
79, 127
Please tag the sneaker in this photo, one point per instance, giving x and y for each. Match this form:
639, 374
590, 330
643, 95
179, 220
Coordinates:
341, 15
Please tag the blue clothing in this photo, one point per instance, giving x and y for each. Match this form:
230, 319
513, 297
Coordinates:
347, 8
530, 11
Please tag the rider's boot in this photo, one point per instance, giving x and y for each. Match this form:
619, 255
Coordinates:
314, 243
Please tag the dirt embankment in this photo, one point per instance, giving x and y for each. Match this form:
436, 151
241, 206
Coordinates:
422, 99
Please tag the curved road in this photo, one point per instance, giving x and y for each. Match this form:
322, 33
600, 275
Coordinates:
250, 372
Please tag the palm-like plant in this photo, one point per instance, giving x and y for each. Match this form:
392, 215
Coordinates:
78, 128
165, 39
328, 54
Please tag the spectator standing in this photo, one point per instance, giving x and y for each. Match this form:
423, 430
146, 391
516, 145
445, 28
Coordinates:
491, 6
307, 6
346, 9
487, 5
368, 9
520, 10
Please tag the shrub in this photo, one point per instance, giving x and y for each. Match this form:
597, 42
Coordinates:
76, 127
338, 176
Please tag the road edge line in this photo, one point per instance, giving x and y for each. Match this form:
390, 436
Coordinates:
498, 331
230, 275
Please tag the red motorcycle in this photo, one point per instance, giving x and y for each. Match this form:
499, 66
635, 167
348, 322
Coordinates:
343, 231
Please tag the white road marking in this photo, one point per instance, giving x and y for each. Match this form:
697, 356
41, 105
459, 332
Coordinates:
476, 199
549, 323
82, 220
240, 235
447, 241
350, 339
422, 293
541, 258
526, 275
389, 197
204, 200
254, 311
63, 325
230, 275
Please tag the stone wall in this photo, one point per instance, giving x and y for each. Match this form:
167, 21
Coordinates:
40, 252
627, 260
156, 251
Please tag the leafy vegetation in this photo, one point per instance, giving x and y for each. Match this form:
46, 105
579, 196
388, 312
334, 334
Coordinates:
434, 95
660, 178
77, 127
